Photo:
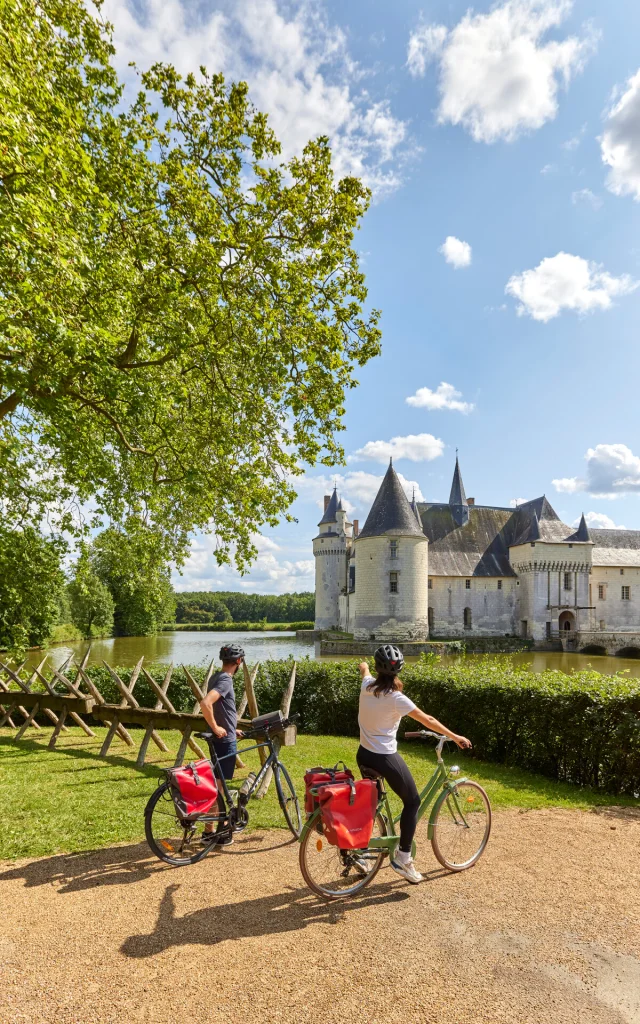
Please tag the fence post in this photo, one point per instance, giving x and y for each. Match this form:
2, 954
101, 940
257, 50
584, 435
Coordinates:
285, 706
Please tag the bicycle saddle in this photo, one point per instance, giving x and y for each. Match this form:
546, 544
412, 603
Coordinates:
370, 773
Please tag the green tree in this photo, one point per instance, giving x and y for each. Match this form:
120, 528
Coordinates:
180, 314
31, 585
132, 564
90, 599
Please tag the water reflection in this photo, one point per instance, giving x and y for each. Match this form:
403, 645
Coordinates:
200, 648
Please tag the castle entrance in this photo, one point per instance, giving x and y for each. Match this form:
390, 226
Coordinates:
567, 621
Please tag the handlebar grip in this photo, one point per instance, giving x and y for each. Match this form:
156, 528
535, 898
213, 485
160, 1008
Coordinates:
415, 735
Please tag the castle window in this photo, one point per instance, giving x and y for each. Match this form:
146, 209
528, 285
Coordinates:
626, 593
467, 584
467, 618
393, 548
567, 581
622, 572
430, 619
393, 582
548, 630
499, 584
352, 577
602, 592
603, 625
430, 584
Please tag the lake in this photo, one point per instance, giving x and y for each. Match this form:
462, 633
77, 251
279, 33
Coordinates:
186, 648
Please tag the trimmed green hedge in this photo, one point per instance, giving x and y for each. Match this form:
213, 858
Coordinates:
232, 627
582, 728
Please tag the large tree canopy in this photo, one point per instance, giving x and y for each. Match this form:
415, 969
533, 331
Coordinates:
180, 313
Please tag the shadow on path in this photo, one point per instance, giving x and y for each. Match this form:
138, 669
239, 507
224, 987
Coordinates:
267, 915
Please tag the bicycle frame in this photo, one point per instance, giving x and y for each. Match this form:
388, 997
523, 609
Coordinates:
231, 796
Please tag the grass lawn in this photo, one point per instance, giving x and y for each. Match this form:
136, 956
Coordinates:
69, 799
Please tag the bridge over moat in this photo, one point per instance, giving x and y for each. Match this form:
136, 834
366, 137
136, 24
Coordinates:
595, 641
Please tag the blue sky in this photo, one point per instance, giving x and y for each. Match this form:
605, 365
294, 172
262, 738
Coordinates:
502, 142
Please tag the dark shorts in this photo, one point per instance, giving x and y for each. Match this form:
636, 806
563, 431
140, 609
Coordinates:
225, 750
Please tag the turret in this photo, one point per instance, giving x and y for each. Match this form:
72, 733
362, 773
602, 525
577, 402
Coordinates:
457, 498
391, 569
330, 549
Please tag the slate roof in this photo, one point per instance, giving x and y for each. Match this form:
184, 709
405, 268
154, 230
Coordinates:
391, 512
477, 548
457, 495
582, 533
331, 509
615, 547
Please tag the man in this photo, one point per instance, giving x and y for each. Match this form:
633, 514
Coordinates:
219, 710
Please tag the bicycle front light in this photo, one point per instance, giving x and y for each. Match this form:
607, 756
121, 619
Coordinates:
454, 769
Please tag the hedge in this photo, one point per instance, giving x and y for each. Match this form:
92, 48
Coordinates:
232, 627
582, 728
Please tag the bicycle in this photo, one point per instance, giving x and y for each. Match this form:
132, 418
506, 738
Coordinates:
459, 829
173, 838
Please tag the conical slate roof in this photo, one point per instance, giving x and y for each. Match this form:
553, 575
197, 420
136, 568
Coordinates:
331, 509
582, 533
457, 496
414, 508
391, 511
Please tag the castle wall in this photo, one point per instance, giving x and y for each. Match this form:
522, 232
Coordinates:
543, 599
612, 610
379, 613
493, 610
330, 553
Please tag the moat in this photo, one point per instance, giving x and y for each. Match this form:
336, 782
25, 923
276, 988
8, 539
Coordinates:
199, 648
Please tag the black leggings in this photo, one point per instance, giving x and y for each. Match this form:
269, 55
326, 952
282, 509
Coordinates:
395, 771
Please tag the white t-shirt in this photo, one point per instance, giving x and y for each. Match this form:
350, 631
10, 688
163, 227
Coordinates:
379, 718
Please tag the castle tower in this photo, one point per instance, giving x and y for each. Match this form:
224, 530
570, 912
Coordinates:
331, 550
391, 578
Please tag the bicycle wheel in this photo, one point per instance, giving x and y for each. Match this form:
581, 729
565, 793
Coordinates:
287, 799
335, 874
462, 826
171, 838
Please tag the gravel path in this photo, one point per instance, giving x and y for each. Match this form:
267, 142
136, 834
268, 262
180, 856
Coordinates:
546, 928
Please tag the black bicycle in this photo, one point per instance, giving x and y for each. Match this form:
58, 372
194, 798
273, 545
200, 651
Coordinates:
178, 840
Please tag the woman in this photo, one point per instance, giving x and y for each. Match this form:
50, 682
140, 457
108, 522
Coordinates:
382, 705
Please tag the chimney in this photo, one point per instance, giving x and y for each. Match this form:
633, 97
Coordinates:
356, 528
471, 501
327, 499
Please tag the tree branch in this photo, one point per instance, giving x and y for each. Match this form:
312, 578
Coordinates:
9, 405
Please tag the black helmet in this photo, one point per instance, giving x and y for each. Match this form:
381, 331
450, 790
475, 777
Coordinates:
230, 652
389, 659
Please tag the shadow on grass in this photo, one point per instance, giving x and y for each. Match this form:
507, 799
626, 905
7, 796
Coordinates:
24, 747
268, 915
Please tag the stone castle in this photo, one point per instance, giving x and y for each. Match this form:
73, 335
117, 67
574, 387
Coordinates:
430, 569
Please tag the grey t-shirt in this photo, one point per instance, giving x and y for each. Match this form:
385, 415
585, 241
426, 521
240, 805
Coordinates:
224, 709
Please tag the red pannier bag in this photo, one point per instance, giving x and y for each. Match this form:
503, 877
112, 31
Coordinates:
348, 811
193, 787
322, 777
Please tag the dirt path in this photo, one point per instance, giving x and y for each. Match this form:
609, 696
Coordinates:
545, 929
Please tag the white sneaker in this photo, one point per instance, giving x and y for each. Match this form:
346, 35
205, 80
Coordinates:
407, 870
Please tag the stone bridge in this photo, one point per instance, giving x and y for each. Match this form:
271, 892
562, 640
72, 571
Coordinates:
595, 641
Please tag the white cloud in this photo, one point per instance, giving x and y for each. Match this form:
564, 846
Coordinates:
357, 489
585, 197
566, 282
514, 502
296, 63
455, 252
599, 521
549, 169
612, 470
269, 574
425, 43
620, 141
415, 447
498, 75
444, 397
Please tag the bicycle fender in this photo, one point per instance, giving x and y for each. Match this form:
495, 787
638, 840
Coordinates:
309, 824
447, 788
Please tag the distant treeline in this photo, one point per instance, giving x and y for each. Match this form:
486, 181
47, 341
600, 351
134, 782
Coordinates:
226, 606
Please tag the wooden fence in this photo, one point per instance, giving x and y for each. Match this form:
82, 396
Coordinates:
69, 693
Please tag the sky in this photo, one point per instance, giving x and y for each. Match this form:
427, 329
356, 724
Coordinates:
502, 145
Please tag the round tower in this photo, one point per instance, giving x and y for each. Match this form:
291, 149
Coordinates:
392, 569
330, 550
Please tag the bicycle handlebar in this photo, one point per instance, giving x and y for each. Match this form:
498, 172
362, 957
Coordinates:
423, 733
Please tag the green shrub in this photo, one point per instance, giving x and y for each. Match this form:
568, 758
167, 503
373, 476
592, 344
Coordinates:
582, 728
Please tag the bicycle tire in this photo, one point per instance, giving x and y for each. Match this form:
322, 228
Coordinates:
163, 846
324, 890
294, 821
449, 825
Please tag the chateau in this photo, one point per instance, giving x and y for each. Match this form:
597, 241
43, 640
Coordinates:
431, 569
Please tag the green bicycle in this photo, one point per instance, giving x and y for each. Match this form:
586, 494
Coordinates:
459, 828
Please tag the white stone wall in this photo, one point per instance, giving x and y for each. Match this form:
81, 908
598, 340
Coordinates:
379, 613
543, 599
612, 610
493, 609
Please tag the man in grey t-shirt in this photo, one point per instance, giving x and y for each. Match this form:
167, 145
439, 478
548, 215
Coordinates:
219, 710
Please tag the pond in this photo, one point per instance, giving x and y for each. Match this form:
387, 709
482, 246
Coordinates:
186, 648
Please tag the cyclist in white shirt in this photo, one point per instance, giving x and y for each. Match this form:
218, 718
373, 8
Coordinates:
382, 706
